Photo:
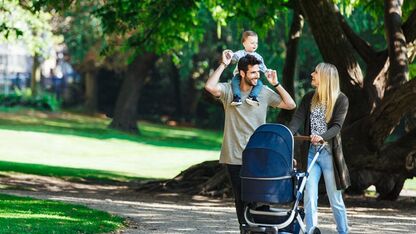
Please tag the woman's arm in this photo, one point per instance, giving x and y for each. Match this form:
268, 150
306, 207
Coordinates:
338, 117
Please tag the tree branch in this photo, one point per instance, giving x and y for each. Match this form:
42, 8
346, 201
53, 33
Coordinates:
396, 43
399, 155
388, 114
362, 47
409, 27
291, 56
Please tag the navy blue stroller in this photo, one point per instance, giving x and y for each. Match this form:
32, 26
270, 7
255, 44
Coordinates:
268, 179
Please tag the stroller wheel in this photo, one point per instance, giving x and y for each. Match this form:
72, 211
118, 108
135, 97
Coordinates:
314, 230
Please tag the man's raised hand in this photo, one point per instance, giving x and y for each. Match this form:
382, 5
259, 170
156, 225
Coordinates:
227, 55
271, 76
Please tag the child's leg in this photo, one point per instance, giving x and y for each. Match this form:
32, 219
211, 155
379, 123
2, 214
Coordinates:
256, 89
235, 85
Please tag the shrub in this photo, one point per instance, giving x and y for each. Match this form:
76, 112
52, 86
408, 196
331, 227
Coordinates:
45, 101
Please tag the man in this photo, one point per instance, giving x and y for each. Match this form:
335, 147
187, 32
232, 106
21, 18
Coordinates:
241, 121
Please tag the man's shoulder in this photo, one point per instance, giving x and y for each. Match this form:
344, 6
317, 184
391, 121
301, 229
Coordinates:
225, 87
266, 88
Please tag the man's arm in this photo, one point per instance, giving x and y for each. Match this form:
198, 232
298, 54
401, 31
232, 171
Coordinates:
212, 83
287, 101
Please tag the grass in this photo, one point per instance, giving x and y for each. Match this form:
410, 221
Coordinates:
27, 215
77, 146
410, 184
96, 128
64, 172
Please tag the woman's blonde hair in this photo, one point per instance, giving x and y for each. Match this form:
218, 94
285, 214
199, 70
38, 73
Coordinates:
328, 88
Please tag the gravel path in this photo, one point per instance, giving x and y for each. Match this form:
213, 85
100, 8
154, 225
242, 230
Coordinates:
172, 213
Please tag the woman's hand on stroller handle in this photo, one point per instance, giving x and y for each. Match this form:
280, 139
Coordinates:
312, 138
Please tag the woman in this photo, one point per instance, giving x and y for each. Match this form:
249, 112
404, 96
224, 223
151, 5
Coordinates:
322, 113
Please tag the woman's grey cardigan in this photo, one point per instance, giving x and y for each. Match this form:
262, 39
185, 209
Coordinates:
332, 135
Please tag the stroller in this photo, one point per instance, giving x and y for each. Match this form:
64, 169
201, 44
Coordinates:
268, 179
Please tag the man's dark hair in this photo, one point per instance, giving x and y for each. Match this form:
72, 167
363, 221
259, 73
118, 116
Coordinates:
247, 60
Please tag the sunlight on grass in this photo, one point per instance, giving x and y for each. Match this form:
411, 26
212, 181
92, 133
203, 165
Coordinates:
410, 184
74, 174
36, 216
70, 142
27, 215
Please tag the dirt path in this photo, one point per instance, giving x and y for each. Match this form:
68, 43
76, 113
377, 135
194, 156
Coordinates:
172, 213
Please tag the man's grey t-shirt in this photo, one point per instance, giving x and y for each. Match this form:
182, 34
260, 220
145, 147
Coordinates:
241, 121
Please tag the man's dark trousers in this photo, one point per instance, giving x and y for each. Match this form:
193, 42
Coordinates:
234, 176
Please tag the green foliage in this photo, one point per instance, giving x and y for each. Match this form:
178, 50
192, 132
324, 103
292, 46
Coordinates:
160, 27
82, 31
8, 29
19, 24
27, 215
373, 8
412, 70
24, 98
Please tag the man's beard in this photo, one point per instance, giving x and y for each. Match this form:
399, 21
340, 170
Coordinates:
248, 81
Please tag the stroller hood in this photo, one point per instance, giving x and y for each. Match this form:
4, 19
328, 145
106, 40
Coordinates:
267, 167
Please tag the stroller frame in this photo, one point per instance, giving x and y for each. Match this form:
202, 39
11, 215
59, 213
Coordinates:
294, 212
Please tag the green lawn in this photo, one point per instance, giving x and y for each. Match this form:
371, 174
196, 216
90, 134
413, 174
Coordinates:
78, 147
27, 215
75, 146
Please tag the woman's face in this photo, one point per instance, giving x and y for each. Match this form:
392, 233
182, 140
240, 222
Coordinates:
315, 79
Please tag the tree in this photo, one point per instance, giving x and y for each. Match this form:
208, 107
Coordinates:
378, 100
18, 24
83, 36
153, 28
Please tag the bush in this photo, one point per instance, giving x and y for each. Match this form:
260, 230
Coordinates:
45, 102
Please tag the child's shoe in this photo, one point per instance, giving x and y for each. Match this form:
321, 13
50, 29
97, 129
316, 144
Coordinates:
252, 100
236, 101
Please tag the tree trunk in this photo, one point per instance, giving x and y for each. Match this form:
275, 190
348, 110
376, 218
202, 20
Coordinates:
176, 82
290, 61
396, 43
191, 100
125, 114
35, 75
336, 49
91, 98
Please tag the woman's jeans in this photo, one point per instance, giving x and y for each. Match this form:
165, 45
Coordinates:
324, 165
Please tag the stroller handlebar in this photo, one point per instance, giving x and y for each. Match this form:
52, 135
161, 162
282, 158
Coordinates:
306, 138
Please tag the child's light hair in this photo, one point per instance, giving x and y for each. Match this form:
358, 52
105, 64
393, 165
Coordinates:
328, 89
246, 34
